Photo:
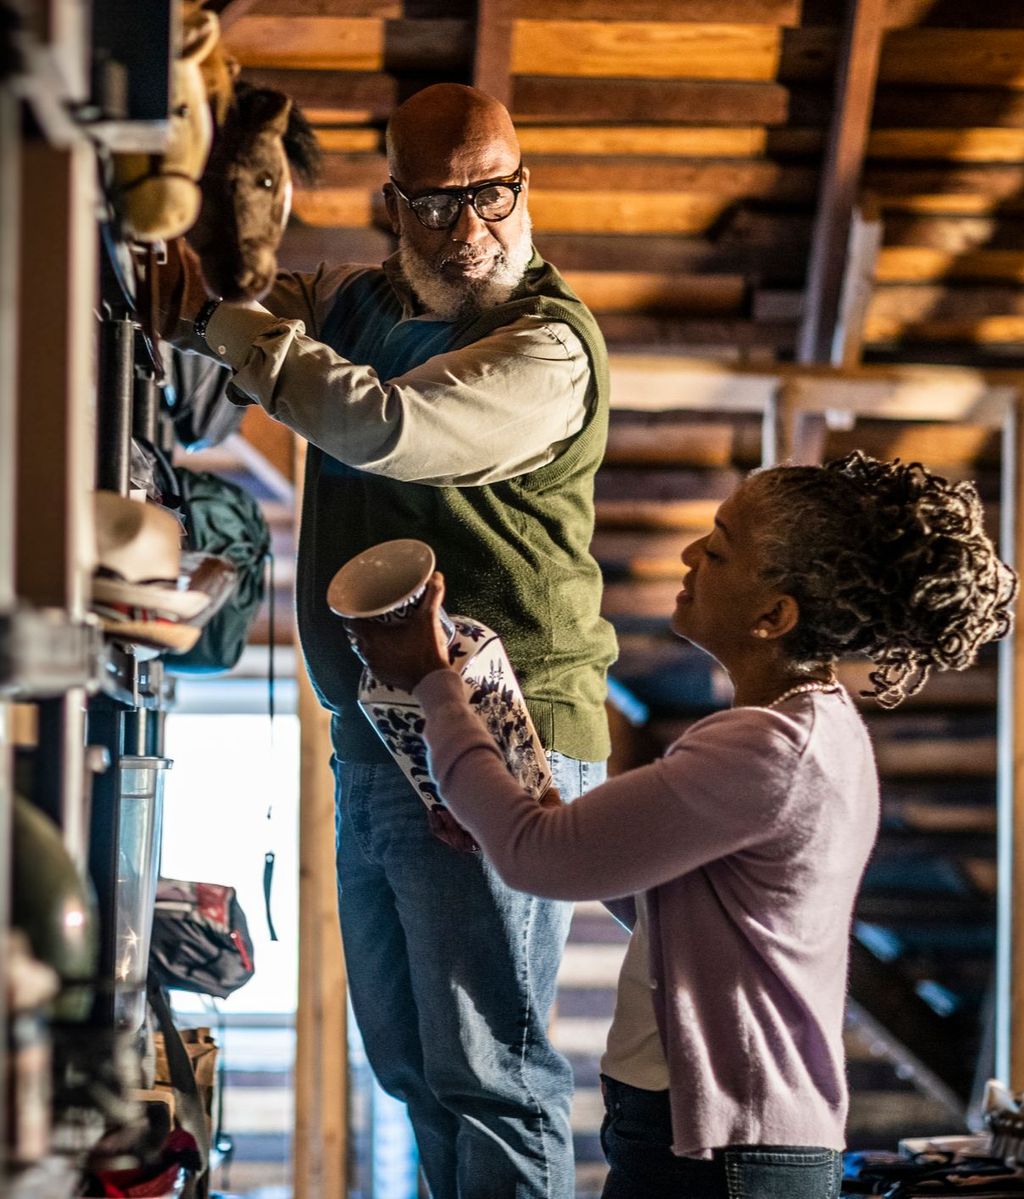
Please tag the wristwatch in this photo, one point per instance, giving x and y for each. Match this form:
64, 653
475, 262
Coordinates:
203, 317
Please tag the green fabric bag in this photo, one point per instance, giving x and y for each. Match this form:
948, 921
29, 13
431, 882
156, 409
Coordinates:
221, 518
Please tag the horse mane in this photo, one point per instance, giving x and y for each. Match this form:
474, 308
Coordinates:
301, 148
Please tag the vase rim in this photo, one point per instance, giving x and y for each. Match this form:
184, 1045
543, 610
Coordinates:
380, 579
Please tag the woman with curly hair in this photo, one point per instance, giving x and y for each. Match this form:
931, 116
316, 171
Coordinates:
746, 843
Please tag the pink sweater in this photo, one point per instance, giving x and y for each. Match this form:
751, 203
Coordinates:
750, 836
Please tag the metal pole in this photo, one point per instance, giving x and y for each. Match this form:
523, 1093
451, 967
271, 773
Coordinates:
114, 404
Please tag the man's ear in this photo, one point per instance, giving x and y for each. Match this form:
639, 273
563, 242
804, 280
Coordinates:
778, 620
391, 204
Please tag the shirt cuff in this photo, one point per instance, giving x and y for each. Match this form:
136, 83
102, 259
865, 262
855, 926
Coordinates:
233, 328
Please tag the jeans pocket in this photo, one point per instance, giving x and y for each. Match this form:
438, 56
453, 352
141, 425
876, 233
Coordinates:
781, 1172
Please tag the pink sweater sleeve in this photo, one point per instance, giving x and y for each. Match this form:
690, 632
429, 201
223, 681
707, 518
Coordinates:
719, 789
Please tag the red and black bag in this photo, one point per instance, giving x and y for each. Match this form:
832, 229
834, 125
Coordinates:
200, 939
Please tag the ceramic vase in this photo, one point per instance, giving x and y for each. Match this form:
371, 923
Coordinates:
385, 583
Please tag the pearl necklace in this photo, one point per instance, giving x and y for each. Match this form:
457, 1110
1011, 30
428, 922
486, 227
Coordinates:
824, 685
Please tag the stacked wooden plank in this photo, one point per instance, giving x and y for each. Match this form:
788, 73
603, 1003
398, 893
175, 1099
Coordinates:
675, 148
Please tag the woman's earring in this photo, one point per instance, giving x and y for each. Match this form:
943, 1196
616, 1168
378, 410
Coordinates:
760, 632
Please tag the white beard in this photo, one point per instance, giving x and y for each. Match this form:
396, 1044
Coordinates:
454, 300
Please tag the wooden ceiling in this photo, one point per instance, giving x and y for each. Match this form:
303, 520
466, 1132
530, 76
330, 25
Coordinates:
746, 180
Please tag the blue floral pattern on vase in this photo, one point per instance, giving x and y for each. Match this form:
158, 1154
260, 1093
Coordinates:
493, 690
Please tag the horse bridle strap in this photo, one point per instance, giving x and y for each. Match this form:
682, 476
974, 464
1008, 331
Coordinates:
154, 172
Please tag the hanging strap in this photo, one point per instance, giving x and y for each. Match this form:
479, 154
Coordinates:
269, 857
188, 1104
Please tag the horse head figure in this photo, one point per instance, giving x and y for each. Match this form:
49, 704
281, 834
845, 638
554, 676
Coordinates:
157, 195
247, 189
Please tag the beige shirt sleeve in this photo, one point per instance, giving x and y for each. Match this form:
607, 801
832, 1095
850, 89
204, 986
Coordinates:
499, 408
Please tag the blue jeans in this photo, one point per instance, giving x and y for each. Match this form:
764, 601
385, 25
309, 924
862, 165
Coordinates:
452, 976
637, 1140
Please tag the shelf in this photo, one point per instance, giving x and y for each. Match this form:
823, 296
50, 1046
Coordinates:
133, 682
52, 1178
43, 653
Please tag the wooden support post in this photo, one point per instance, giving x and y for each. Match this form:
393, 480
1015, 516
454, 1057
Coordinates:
844, 158
492, 56
10, 123
861, 255
1009, 1038
55, 377
55, 550
321, 1059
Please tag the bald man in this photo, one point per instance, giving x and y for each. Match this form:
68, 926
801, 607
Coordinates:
457, 394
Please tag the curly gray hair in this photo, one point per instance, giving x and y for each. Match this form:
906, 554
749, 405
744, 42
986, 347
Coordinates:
886, 560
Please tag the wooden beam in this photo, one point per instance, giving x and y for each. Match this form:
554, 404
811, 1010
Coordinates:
342, 97
919, 264
625, 291
951, 14
663, 382
350, 140
855, 86
321, 1057
354, 171
334, 206
754, 12
861, 257
640, 49
658, 383
922, 302
970, 144
492, 49
572, 210
656, 514
954, 234
713, 141
981, 331
731, 339
10, 271
954, 57
55, 540
565, 98
999, 184
957, 445
646, 440
350, 43
383, 8
304, 247
938, 106
779, 264
1009, 972
739, 179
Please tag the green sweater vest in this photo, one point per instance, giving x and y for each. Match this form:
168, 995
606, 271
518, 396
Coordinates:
515, 554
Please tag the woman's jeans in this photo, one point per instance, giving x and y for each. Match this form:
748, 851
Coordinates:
452, 976
637, 1137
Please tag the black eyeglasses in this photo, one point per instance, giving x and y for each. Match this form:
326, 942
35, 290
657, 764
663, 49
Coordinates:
441, 208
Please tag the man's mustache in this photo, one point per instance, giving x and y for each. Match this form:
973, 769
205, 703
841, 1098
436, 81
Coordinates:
463, 259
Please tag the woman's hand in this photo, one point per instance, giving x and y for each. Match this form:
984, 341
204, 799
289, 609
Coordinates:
405, 652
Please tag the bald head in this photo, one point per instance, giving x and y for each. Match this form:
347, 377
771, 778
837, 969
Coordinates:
447, 124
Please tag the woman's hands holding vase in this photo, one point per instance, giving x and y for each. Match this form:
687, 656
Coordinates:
404, 652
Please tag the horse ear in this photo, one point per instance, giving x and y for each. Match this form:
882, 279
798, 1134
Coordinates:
202, 31
277, 106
